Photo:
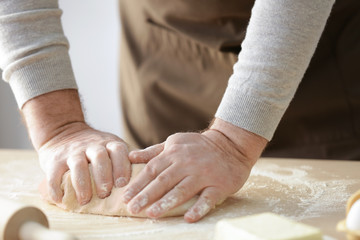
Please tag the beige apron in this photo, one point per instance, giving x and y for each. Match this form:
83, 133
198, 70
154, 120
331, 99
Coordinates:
177, 57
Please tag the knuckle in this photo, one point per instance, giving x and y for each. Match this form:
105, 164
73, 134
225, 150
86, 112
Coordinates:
163, 179
116, 146
151, 171
75, 162
97, 154
100, 153
112, 137
181, 190
207, 198
57, 156
174, 137
174, 148
210, 196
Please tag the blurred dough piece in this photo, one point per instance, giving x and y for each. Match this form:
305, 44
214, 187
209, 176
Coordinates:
110, 206
265, 226
352, 219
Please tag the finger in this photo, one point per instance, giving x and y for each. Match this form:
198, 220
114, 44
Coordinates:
148, 174
43, 190
145, 155
80, 177
207, 201
101, 169
181, 193
54, 179
121, 167
164, 182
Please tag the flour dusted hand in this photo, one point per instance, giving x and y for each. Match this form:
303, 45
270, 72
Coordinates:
65, 142
73, 150
214, 164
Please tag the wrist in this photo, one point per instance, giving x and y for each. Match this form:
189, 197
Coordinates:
49, 114
247, 143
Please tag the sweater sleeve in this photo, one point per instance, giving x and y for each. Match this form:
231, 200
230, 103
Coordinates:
34, 54
280, 40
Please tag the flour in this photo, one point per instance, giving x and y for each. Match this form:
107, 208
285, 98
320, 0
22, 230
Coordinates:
168, 203
204, 208
123, 234
105, 187
19, 185
144, 200
311, 197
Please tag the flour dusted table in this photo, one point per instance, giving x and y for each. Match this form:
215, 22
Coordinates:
309, 191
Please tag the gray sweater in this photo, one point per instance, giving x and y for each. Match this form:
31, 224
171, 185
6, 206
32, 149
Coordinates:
281, 38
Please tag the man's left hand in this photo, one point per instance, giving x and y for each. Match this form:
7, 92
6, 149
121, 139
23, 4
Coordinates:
213, 164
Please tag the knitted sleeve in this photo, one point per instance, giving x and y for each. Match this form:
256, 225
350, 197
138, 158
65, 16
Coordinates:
280, 41
34, 54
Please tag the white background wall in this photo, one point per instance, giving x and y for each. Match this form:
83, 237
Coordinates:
92, 27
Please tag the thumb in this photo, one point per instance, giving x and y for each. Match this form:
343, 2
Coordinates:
43, 190
145, 155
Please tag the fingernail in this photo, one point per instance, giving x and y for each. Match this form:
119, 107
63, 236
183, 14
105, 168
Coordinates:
135, 208
83, 199
105, 187
54, 196
120, 182
139, 203
198, 212
103, 195
154, 210
84, 202
190, 215
105, 190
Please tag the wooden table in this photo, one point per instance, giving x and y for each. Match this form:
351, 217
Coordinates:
309, 191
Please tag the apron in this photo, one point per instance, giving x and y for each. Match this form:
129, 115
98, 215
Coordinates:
177, 56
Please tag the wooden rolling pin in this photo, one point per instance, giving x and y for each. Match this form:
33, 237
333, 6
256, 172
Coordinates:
23, 222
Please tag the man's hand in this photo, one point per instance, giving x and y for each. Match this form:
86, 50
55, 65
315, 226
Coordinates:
214, 164
64, 141
76, 147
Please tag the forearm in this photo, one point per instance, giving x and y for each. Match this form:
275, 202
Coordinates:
33, 49
280, 41
49, 114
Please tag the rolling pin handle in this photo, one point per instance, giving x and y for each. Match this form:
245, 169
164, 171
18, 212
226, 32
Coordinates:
36, 231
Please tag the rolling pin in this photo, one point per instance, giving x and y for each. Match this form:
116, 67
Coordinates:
23, 222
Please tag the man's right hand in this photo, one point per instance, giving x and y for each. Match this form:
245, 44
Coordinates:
65, 142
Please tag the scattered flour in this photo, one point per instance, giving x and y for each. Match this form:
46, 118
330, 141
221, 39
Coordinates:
308, 196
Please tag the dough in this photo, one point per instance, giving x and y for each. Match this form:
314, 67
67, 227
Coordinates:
351, 224
264, 226
353, 217
112, 205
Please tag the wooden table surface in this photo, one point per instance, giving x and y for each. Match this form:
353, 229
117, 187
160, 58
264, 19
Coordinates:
309, 191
